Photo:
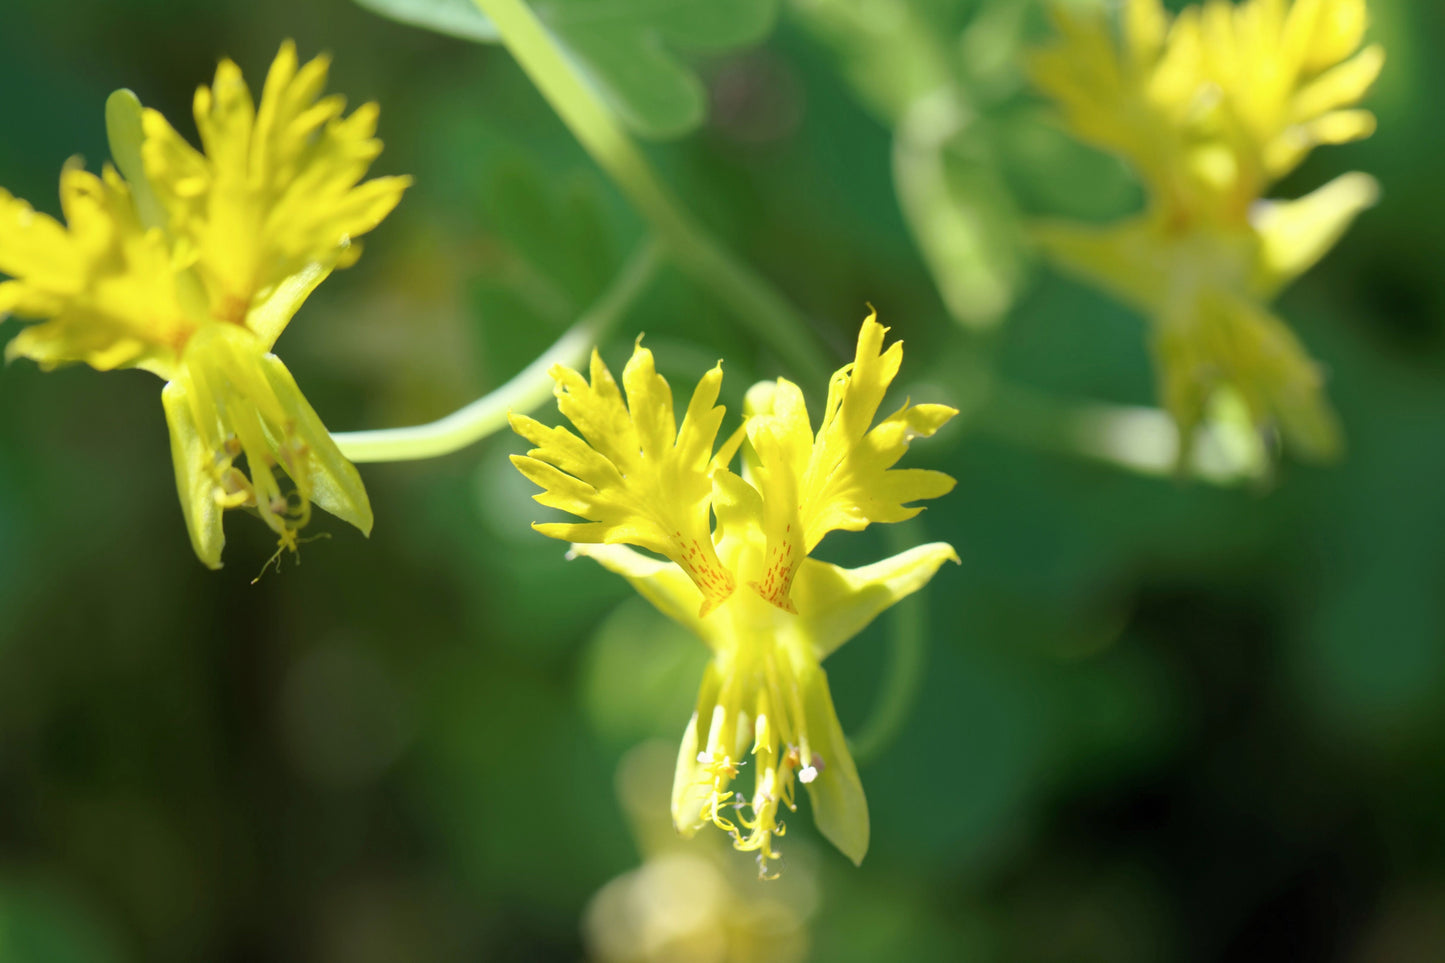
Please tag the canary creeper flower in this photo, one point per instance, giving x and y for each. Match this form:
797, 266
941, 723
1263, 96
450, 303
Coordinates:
189, 264
747, 585
1212, 108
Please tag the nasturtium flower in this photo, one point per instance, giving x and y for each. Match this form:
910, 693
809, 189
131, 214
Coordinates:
189, 264
735, 565
1212, 108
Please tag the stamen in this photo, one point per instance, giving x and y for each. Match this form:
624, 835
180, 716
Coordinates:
718, 772
233, 489
774, 736
292, 452
720, 767
275, 558
762, 733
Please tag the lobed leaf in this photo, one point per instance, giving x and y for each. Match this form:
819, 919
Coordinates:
625, 48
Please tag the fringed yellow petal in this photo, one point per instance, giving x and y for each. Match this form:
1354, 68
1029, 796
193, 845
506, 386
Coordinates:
104, 284
1114, 98
782, 437
1145, 26
276, 199
1333, 30
843, 478
1340, 86
633, 474
224, 114
240, 234
1216, 106
178, 173
1282, 72
70, 338
16, 297
39, 251
738, 507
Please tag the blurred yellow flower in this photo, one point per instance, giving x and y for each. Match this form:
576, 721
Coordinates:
190, 265
748, 587
1212, 108
687, 902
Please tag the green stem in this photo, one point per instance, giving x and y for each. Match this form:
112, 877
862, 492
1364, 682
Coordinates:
908, 634
755, 302
530, 388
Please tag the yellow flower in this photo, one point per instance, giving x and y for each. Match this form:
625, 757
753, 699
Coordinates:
190, 265
1212, 108
747, 587
687, 902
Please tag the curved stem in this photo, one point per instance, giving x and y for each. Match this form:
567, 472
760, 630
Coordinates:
531, 387
908, 631
755, 302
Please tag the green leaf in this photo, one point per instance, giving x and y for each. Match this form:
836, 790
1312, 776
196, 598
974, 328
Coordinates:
624, 48
554, 239
905, 60
962, 217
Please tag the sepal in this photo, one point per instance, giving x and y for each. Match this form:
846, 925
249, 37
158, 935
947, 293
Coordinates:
334, 483
835, 603
839, 806
1295, 235
194, 461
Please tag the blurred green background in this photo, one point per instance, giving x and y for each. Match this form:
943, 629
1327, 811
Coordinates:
1157, 720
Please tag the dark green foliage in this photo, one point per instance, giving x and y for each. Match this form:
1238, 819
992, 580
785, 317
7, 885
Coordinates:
1159, 720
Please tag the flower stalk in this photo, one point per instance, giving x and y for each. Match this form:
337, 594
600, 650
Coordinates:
527, 390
